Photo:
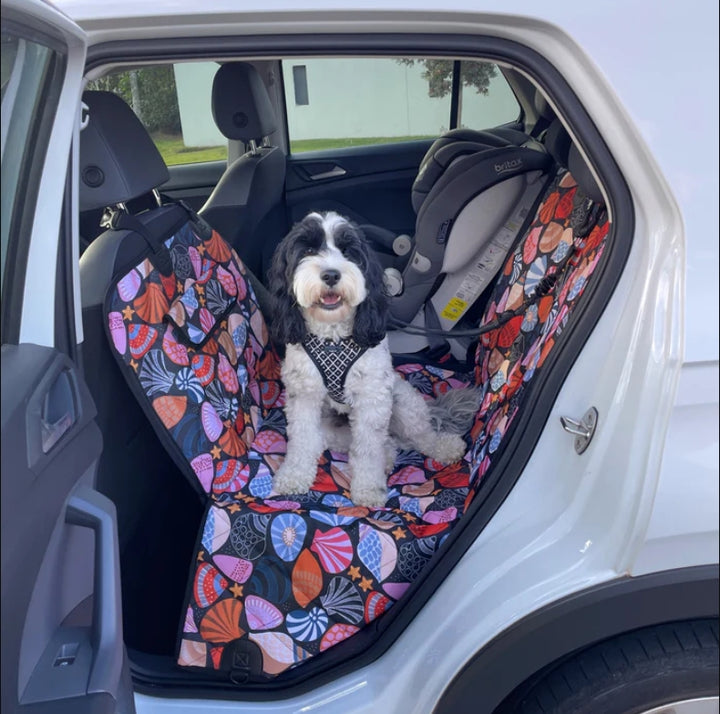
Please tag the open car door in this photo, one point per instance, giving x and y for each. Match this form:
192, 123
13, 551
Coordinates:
62, 642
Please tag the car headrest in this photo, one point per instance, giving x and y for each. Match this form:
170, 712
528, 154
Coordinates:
582, 174
118, 159
557, 142
240, 103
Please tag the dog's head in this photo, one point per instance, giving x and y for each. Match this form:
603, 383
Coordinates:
324, 273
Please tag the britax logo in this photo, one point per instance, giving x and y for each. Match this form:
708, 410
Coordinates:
507, 166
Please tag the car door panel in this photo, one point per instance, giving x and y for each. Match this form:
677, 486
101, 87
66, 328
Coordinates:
369, 184
59, 541
62, 644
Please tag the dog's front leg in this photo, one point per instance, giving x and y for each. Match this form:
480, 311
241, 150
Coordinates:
303, 409
368, 458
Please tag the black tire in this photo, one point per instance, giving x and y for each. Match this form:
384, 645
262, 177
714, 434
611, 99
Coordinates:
628, 674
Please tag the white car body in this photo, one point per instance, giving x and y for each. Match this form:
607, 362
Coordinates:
644, 497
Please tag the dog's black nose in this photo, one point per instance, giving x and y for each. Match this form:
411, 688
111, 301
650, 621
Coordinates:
330, 277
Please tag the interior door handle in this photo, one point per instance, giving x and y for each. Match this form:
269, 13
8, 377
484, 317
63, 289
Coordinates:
332, 173
59, 410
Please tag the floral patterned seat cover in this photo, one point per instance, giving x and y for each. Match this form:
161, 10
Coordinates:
295, 576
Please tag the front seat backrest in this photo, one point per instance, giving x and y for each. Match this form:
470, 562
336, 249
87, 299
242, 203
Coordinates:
252, 184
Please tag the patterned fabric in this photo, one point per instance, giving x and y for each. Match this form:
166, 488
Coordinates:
196, 343
333, 360
196, 312
295, 576
507, 358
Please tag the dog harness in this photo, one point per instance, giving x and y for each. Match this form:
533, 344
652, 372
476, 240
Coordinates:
333, 360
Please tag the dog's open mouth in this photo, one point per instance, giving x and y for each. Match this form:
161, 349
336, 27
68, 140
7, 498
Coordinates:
330, 301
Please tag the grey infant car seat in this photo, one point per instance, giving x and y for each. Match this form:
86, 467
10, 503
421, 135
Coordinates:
467, 222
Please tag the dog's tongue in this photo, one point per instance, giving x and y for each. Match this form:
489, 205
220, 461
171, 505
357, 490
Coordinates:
330, 299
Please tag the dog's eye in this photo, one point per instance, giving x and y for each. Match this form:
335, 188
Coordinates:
307, 251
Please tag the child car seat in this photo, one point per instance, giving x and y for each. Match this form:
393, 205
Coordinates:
466, 225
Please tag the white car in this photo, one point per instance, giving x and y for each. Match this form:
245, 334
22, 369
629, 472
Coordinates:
537, 183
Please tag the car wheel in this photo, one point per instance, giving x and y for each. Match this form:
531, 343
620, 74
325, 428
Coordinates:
641, 672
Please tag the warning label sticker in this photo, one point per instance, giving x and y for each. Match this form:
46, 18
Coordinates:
454, 309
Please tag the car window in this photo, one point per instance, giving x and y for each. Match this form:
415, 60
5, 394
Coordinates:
339, 102
486, 99
173, 101
28, 99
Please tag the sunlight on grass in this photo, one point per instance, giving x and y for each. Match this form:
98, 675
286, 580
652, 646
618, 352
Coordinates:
174, 151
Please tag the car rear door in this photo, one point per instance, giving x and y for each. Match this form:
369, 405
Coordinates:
62, 645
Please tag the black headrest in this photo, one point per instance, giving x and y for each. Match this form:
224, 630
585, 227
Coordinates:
582, 174
557, 142
240, 103
118, 160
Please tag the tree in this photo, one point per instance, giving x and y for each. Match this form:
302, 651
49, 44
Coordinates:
151, 93
439, 72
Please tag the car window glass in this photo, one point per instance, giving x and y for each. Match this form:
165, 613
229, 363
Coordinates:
25, 68
339, 102
174, 104
486, 99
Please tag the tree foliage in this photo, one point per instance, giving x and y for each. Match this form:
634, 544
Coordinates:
155, 98
438, 73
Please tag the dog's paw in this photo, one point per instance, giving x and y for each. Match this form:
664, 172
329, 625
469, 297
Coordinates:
368, 495
288, 480
448, 448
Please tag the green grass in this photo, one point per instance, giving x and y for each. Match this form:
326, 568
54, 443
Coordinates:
175, 152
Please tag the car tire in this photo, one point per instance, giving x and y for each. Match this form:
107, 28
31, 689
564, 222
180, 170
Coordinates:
628, 674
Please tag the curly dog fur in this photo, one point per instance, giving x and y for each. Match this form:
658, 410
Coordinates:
327, 284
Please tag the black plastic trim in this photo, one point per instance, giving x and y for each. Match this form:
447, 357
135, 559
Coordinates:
574, 623
455, 91
369, 644
66, 339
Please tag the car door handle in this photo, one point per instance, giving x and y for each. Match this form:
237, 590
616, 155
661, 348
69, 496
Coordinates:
334, 172
59, 410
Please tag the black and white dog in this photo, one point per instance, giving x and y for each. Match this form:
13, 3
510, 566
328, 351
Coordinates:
342, 391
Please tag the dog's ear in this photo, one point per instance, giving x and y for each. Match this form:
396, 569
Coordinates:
369, 327
288, 325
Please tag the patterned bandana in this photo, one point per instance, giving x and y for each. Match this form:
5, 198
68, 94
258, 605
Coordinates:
333, 360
